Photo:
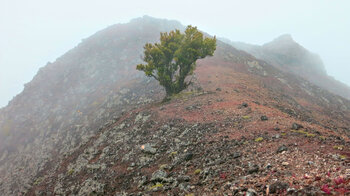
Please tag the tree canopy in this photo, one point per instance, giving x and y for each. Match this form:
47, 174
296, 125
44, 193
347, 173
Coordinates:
174, 58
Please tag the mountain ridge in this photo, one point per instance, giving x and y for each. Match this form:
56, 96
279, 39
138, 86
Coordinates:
89, 123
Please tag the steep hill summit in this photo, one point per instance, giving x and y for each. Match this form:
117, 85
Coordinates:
90, 124
289, 56
286, 52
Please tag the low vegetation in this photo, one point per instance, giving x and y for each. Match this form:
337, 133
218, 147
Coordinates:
174, 58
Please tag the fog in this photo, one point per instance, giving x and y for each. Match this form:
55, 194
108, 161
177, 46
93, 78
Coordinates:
35, 32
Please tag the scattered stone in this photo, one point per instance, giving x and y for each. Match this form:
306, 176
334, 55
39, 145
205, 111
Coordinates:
220, 100
251, 192
264, 118
143, 181
159, 176
148, 148
282, 149
244, 105
291, 191
181, 179
347, 172
296, 126
188, 156
253, 169
218, 89
268, 166
278, 187
285, 164
236, 155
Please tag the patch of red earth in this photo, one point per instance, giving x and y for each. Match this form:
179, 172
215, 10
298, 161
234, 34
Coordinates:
120, 168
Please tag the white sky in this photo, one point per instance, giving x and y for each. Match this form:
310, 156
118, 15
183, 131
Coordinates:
37, 31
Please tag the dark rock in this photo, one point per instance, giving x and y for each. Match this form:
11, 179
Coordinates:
181, 179
264, 118
268, 166
184, 186
296, 126
244, 105
278, 187
253, 169
277, 129
188, 156
218, 89
282, 148
236, 155
159, 176
277, 136
256, 102
220, 100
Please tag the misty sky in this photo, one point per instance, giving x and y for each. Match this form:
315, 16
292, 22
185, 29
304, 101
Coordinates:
37, 31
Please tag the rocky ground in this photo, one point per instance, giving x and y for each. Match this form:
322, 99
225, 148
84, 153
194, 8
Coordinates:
221, 141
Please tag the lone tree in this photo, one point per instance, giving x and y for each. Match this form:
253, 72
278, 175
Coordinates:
174, 58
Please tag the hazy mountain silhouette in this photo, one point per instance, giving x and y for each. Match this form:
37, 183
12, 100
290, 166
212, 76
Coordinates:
287, 55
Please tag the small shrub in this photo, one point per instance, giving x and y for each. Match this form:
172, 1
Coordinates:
158, 185
259, 139
246, 117
70, 172
197, 171
172, 154
338, 147
163, 166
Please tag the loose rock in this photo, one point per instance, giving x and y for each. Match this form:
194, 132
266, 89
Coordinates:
282, 148
264, 118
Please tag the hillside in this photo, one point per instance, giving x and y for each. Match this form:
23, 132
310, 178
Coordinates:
289, 56
90, 124
70, 98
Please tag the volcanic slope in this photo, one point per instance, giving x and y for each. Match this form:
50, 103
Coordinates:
70, 98
242, 127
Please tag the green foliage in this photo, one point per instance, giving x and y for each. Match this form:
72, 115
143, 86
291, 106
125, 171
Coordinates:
259, 139
197, 171
174, 58
38, 181
70, 172
338, 147
304, 132
158, 185
246, 117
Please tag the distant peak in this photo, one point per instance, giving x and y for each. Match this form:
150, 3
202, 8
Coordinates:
147, 18
284, 38
281, 41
